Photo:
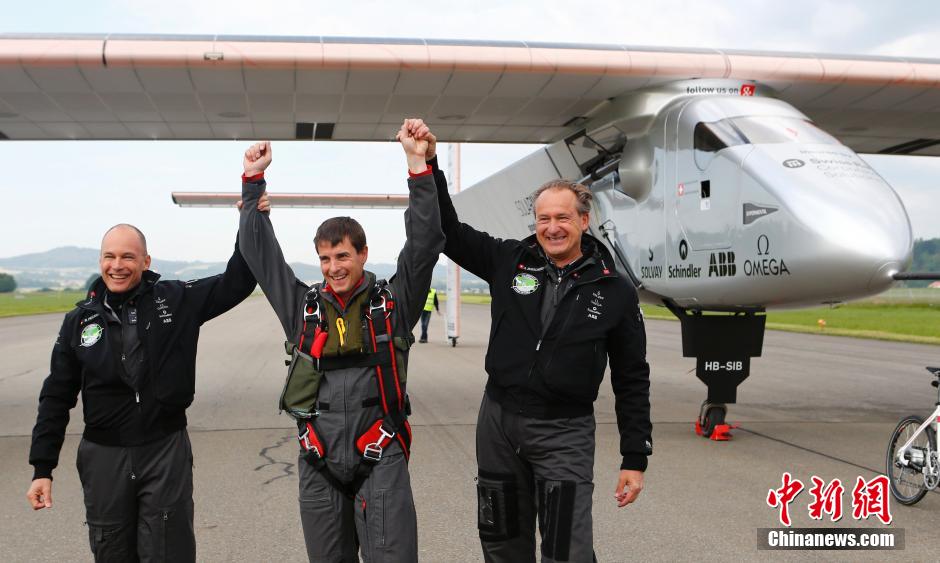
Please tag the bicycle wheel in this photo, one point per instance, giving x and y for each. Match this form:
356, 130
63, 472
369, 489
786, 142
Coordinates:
907, 482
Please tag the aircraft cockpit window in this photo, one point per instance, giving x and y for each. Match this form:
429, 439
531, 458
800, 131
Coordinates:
712, 137
709, 138
768, 129
594, 151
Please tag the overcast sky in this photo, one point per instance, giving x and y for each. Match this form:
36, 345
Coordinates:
67, 193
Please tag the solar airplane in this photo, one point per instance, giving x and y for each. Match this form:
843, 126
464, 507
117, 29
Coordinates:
726, 183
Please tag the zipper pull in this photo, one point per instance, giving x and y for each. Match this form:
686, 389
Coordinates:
137, 396
539, 345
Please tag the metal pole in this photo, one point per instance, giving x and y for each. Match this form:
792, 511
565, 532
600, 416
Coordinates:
453, 270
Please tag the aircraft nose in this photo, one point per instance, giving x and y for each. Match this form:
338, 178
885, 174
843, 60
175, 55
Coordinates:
863, 227
860, 230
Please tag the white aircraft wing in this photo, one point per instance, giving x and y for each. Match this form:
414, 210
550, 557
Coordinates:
327, 88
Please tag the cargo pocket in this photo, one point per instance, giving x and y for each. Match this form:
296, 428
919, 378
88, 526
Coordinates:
556, 513
319, 499
301, 386
314, 491
177, 540
497, 506
376, 518
108, 543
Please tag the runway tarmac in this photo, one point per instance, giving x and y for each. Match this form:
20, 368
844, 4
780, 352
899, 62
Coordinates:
813, 405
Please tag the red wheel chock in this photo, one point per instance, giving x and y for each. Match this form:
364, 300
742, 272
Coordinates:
721, 433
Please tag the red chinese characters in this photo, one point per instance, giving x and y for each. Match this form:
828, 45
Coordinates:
870, 498
782, 497
826, 500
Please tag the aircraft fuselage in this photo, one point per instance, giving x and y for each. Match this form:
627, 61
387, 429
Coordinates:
749, 206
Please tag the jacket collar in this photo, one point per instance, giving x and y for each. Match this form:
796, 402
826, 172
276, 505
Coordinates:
95, 297
366, 283
599, 260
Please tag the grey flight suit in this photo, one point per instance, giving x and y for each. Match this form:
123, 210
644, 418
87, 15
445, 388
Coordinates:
382, 516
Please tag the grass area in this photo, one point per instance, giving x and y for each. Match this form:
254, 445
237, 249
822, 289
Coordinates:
916, 322
902, 315
14, 304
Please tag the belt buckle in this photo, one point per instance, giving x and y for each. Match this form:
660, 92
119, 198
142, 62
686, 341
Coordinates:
314, 314
380, 307
373, 452
306, 444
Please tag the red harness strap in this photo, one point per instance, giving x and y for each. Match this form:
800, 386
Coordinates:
394, 424
374, 442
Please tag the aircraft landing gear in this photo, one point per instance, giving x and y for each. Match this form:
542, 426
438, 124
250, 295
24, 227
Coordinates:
453, 341
723, 345
711, 422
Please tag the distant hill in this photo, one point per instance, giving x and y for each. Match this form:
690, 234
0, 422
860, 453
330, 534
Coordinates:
62, 257
70, 266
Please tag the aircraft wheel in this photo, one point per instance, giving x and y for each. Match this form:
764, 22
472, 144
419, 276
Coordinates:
712, 416
453, 342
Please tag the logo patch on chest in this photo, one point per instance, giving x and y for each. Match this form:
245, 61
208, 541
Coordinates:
595, 305
91, 334
524, 284
163, 311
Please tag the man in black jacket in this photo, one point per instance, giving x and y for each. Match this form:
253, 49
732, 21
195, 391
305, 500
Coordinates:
559, 311
130, 349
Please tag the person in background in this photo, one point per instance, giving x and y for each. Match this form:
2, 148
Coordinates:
431, 304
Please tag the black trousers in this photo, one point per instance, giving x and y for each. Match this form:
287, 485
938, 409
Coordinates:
534, 470
425, 321
139, 500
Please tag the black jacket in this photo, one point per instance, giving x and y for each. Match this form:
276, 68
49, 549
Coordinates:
87, 357
555, 371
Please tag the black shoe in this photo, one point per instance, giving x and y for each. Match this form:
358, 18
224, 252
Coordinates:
423, 341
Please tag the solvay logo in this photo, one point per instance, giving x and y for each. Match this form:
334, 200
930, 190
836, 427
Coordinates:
91, 334
525, 284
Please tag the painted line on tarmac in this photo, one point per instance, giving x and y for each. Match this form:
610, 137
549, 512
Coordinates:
810, 450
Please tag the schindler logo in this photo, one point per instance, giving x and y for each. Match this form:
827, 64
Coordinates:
753, 212
721, 265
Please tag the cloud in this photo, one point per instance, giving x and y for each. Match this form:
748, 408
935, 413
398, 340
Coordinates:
922, 44
837, 19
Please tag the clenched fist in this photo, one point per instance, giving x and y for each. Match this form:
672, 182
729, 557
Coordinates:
257, 158
413, 138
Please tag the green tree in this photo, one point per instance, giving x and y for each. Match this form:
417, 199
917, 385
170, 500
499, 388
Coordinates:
7, 283
926, 259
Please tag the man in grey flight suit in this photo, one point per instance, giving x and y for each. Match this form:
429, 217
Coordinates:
380, 515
